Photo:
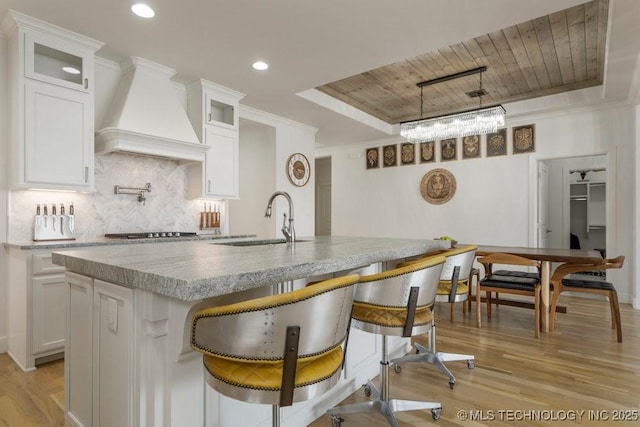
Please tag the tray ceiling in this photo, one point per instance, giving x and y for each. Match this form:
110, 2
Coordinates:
560, 52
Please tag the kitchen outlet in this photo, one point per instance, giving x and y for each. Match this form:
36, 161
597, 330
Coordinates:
112, 314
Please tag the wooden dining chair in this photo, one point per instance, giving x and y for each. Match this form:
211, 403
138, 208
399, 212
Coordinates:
561, 283
475, 272
508, 284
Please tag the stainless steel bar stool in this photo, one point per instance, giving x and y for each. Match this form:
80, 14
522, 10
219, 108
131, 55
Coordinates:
396, 302
453, 287
273, 350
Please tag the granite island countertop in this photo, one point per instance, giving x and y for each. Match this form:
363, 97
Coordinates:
193, 270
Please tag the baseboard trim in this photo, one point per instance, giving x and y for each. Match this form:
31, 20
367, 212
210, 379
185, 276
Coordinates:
20, 364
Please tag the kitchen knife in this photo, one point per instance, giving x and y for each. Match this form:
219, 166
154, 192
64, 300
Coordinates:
72, 219
61, 218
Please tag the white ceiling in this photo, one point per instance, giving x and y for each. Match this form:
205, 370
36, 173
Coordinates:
309, 42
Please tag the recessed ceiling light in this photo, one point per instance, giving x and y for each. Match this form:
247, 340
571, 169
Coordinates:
260, 65
143, 10
70, 70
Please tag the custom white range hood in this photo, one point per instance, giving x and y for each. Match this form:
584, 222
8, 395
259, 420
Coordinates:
146, 117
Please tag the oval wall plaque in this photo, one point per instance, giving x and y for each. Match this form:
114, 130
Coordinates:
438, 186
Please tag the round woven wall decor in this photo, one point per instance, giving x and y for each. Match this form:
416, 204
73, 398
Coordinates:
438, 186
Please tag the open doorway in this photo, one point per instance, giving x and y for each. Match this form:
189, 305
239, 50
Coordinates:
575, 204
323, 196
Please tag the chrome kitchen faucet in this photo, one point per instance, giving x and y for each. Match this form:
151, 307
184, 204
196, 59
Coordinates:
289, 232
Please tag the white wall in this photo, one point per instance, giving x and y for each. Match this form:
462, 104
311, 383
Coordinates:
257, 182
291, 137
387, 201
4, 135
495, 196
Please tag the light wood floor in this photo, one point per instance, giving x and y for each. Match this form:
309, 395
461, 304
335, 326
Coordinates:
31, 399
580, 367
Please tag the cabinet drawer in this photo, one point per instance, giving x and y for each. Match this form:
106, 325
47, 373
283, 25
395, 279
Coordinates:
42, 264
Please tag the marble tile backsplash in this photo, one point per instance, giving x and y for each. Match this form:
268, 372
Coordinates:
166, 208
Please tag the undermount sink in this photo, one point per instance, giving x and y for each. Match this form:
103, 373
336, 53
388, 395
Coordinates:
263, 242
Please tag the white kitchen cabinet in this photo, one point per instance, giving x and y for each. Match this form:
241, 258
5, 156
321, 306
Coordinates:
78, 360
213, 111
56, 151
112, 355
99, 360
52, 103
221, 163
56, 61
219, 113
37, 304
49, 313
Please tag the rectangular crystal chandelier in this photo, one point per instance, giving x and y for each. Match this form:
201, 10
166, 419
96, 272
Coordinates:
478, 121
467, 123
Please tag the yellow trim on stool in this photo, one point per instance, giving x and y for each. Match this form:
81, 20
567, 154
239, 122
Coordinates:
277, 300
267, 375
445, 253
404, 268
444, 287
390, 316
460, 250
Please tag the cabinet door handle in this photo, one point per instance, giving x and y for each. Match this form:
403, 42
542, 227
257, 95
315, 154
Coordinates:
209, 186
209, 117
86, 83
86, 174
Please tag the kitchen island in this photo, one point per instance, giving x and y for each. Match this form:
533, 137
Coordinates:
128, 360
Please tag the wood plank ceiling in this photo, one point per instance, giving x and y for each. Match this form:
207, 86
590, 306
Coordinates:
557, 53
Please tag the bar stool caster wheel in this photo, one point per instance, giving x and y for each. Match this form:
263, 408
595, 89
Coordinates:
367, 391
435, 413
336, 420
451, 384
397, 368
471, 364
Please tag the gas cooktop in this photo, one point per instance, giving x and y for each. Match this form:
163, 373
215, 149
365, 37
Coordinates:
149, 235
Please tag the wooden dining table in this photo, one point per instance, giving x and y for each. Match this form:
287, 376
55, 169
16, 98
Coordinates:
547, 256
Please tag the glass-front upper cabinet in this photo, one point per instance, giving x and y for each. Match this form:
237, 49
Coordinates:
60, 63
220, 113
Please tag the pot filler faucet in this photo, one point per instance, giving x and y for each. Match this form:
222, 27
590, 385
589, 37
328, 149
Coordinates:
289, 232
